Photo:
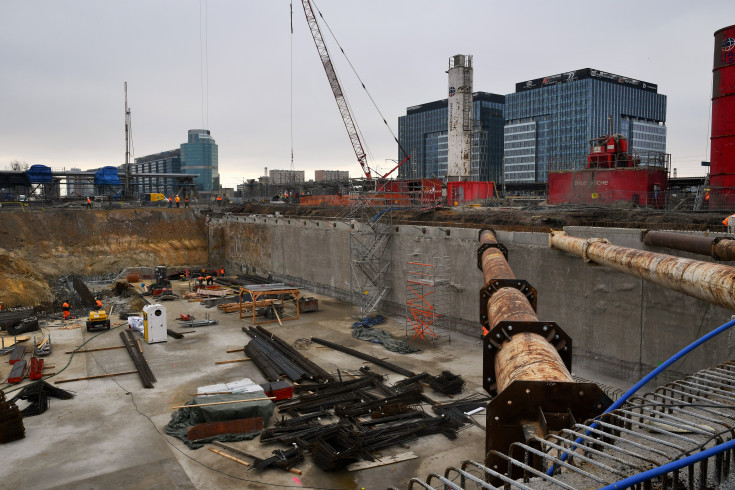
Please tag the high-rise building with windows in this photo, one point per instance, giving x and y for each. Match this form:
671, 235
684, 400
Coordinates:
549, 121
423, 131
199, 156
165, 162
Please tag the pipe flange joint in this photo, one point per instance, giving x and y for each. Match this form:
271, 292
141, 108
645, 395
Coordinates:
505, 330
481, 250
587, 244
717, 240
494, 285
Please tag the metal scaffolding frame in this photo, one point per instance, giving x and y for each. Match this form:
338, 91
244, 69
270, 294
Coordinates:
370, 219
428, 299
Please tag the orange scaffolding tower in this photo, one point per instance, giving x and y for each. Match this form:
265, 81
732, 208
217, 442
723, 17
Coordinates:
427, 297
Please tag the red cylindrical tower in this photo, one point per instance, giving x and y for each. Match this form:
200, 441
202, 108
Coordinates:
722, 169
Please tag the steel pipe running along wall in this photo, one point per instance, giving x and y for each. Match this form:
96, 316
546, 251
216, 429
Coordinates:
525, 356
719, 248
711, 282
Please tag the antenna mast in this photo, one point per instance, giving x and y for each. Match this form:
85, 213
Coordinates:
127, 144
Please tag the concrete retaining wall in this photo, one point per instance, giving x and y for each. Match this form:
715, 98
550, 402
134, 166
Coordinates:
620, 325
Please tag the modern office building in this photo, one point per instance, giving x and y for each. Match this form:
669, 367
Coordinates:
549, 121
199, 156
285, 177
331, 175
165, 162
423, 134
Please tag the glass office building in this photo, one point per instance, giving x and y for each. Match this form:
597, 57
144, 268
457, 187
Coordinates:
549, 121
422, 132
199, 156
166, 162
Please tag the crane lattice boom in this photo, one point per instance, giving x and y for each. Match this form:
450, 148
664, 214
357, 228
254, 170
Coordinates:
344, 109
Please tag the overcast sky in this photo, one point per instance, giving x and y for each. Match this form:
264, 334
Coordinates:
63, 66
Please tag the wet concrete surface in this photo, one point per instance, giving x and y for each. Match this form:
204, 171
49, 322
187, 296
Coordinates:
111, 433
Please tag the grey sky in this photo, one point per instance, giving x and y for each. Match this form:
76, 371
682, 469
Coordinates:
63, 66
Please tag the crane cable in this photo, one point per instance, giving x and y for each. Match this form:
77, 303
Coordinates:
292, 167
358, 77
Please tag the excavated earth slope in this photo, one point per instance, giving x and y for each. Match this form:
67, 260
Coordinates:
37, 246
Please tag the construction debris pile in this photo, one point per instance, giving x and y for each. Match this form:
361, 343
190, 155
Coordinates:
370, 415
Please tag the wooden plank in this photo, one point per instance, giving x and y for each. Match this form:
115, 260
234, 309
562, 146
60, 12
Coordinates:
94, 377
236, 350
248, 455
223, 403
237, 426
228, 456
96, 350
277, 316
9, 341
362, 465
232, 360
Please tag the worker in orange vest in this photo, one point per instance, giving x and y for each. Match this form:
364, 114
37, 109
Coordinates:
65, 310
726, 221
222, 271
210, 280
219, 200
201, 281
98, 303
177, 200
89, 203
170, 202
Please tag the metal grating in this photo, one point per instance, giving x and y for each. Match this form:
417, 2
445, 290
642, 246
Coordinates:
678, 419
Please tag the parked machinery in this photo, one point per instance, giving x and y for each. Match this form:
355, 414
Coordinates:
526, 363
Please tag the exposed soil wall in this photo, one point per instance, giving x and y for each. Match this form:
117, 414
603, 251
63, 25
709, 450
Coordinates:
38, 246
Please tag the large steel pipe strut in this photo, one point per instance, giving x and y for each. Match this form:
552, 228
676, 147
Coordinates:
526, 361
719, 248
519, 355
711, 282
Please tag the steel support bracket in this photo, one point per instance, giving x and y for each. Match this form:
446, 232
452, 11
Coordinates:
493, 342
481, 250
494, 285
528, 409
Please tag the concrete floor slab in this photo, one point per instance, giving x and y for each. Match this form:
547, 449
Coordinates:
111, 434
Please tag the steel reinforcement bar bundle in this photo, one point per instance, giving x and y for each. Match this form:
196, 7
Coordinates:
146, 375
275, 358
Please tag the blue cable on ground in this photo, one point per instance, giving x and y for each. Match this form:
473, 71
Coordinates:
686, 350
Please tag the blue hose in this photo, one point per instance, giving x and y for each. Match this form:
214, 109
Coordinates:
686, 350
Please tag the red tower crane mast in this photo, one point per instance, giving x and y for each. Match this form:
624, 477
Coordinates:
344, 109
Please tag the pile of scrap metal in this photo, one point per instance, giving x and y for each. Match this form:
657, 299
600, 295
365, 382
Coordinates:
12, 316
28, 324
276, 358
37, 394
372, 416
11, 421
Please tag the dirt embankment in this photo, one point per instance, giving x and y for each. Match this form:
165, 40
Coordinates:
38, 246
518, 214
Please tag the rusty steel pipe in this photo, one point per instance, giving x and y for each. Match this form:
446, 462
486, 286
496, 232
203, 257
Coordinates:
539, 361
526, 356
707, 281
720, 248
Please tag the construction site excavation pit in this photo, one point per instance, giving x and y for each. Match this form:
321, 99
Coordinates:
113, 432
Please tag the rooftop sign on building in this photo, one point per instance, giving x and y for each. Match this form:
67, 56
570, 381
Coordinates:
585, 73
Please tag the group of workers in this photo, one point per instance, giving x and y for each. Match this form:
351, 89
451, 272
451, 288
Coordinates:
171, 200
208, 278
66, 308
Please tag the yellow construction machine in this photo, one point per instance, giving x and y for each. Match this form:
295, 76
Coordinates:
98, 320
